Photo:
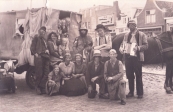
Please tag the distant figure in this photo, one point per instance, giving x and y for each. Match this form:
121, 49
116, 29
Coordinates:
41, 60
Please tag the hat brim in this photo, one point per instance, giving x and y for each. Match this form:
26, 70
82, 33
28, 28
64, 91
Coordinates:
83, 29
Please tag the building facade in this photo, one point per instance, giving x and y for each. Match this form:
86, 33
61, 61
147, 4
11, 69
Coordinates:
156, 17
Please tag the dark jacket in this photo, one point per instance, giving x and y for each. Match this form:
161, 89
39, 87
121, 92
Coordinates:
52, 51
38, 45
81, 43
92, 73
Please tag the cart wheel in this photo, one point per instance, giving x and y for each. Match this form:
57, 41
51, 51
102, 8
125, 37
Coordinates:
13, 90
30, 80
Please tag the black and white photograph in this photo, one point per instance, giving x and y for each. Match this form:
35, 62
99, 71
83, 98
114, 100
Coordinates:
86, 55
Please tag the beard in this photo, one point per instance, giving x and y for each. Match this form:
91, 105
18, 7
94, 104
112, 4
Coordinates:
83, 34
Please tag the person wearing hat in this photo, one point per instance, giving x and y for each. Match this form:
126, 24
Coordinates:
41, 59
113, 74
103, 42
134, 58
83, 43
95, 75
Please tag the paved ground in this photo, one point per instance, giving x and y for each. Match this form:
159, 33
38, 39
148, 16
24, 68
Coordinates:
25, 100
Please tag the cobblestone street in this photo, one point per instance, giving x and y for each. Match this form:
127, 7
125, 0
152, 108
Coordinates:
25, 100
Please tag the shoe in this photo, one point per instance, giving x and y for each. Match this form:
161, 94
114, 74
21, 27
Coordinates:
140, 96
104, 96
43, 91
123, 102
38, 91
129, 95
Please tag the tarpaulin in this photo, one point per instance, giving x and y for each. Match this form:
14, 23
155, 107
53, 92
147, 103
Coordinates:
33, 21
9, 46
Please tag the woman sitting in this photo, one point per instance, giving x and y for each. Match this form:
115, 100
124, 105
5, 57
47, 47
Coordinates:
80, 69
70, 85
53, 83
53, 49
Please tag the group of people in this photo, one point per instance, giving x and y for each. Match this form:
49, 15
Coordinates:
76, 77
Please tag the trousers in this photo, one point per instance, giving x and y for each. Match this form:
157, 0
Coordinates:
41, 71
133, 65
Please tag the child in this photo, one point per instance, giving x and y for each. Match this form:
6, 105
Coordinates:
63, 47
53, 83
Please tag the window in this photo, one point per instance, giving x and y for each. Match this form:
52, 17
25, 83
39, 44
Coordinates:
150, 16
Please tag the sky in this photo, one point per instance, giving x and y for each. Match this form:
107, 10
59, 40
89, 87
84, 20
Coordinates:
70, 5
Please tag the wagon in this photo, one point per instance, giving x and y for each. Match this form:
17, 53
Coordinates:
17, 29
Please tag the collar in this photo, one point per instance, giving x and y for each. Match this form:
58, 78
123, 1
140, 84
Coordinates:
112, 61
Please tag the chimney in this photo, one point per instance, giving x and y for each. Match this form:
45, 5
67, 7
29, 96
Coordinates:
116, 11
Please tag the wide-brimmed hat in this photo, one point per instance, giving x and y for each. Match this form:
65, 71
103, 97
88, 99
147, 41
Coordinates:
101, 26
43, 28
83, 27
97, 53
131, 22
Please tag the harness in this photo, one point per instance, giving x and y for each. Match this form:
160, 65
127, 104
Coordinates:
158, 40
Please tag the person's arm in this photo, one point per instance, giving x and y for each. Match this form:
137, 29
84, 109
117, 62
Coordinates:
50, 76
144, 45
75, 45
107, 46
88, 74
33, 45
105, 70
101, 70
51, 50
120, 74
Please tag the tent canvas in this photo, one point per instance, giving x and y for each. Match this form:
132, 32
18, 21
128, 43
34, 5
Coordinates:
48, 18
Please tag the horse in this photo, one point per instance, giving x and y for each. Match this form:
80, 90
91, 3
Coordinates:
160, 50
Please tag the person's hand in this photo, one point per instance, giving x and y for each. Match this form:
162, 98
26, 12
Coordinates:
36, 55
66, 78
109, 79
47, 51
94, 79
89, 89
75, 76
121, 50
135, 49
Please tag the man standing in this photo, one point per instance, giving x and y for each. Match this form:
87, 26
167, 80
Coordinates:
41, 59
134, 58
103, 42
95, 75
113, 74
83, 44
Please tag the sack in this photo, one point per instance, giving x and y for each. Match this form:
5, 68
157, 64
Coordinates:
73, 87
7, 83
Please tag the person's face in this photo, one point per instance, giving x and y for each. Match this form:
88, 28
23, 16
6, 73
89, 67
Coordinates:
78, 59
42, 32
64, 42
101, 32
132, 27
96, 60
56, 70
83, 31
112, 55
53, 37
68, 58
